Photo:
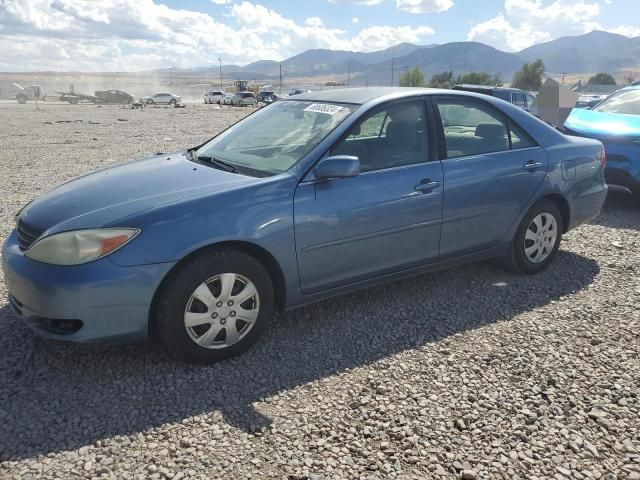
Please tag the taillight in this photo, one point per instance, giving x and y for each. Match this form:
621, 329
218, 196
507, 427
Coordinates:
603, 158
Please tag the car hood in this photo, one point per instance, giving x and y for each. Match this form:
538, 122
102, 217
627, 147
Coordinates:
108, 195
601, 125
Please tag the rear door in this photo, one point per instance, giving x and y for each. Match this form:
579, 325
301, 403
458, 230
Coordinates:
384, 220
491, 170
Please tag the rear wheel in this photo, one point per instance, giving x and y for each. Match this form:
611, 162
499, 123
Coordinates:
21, 99
214, 306
149, 102
537, 239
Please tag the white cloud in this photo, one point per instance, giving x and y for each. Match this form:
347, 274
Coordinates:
424, 6
526, 22
411, 6
221, 2
355, 20
357, 2
130, 35
626, 30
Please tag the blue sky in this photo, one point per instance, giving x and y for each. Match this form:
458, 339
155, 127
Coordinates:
125, 35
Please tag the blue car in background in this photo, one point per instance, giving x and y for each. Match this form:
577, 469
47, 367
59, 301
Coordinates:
616, 123
310, 197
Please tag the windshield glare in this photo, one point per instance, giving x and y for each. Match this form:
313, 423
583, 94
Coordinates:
276, 137
624, 102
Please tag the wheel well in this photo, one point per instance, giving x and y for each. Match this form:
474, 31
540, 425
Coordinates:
257, 252
563, 206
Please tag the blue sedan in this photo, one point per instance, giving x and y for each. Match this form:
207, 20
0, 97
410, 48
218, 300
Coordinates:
616, 123
313, 196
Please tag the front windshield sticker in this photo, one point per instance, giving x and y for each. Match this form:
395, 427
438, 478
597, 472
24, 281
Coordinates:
323, 108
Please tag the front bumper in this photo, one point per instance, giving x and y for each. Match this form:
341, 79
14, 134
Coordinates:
623, 165
94, 302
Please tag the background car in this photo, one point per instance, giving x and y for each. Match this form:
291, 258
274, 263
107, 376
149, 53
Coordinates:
303, 200
264, 94
227, 98
298, 91
241, 99
113, 97
517, 97
616, 123
589, 100
162, 98
214, 96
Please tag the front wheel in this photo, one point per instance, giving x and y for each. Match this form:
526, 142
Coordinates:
172, 102
214, 306
537, 239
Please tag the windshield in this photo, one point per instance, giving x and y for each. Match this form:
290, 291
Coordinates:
276, 137
625, 102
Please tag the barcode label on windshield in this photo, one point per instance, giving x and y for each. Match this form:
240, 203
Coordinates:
323, 108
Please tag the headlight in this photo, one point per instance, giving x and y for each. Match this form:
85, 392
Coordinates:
80, 246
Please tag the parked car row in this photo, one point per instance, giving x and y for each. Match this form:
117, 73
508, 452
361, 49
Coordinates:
239, 99
309, 197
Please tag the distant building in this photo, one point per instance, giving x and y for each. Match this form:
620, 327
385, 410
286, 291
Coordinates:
591, 88
555, 102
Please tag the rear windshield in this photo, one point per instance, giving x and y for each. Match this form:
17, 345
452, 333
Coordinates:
624, 102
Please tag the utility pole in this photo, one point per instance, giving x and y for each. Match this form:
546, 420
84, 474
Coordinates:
349, 76
220, 61
563, 74
171, 76
280, 79
392, 60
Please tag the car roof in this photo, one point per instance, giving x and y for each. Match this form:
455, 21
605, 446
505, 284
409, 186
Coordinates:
488, 87
363, 95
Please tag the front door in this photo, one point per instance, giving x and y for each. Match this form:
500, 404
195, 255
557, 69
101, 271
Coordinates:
386, 219
491, 170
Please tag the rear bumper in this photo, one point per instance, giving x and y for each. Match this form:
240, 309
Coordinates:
94, 302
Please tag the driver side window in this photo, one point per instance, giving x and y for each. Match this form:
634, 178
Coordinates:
390, 136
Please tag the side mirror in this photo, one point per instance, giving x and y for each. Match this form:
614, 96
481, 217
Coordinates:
337, 166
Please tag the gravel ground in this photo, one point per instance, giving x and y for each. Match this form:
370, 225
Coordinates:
467, 373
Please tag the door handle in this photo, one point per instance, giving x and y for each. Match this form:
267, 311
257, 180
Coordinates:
531, 165
427, 185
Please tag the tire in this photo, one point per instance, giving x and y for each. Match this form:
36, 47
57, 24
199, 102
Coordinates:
21, 99
172, 102
149, 102
177, 298
523, 252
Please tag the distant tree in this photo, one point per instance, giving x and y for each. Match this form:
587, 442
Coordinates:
334, 84
480, 78
442, 80
412, 78
530, 76
602, 78
630, 79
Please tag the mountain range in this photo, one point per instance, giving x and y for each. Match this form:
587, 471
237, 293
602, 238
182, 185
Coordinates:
596, 51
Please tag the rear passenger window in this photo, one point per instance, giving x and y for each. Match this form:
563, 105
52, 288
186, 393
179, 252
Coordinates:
519, 139
472, 127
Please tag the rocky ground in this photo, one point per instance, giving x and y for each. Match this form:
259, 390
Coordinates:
467, 373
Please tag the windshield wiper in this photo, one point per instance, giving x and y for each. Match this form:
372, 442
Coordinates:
221, 165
